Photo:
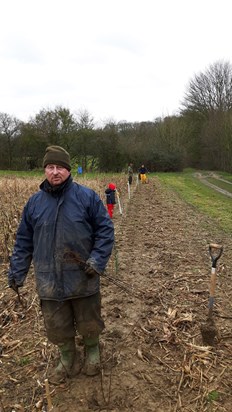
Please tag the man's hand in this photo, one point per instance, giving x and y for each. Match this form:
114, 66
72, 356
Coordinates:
90, 271
91, 268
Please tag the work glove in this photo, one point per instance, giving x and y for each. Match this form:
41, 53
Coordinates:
90, 268
14, 286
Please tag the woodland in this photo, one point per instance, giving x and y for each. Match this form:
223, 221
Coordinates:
199, 135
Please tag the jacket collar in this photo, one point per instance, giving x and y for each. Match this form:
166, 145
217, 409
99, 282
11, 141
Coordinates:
56, 190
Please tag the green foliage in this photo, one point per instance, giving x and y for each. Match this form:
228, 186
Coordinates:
165, 162
213, 396
24, 361
108, 151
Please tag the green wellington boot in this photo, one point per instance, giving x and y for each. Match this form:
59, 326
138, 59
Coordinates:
69, 363
92, 356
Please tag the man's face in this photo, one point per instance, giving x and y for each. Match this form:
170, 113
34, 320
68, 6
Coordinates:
56, 174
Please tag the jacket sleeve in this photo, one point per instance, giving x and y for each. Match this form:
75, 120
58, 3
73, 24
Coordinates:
103, 234
23, 250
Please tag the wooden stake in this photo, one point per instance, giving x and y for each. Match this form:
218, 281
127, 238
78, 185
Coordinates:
48, 396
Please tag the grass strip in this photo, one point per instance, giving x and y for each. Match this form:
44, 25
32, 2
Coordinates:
193, 191
220, 183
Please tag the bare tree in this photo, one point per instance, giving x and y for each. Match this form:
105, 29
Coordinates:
9, 130
85, 136
210, 91
86, 120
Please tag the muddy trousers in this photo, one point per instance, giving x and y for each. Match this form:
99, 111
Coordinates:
64, 319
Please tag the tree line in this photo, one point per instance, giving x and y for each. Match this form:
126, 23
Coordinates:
199, 136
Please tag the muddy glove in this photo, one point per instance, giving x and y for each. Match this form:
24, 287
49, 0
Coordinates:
90, 268
14, 286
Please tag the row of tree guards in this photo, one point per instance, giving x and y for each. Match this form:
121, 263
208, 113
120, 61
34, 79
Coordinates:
129, 194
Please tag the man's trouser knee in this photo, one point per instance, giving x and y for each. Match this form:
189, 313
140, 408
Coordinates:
63, 319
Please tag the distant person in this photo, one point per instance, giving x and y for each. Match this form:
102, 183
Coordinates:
143, 174
66, 231
110, 198
130, 173
79, 170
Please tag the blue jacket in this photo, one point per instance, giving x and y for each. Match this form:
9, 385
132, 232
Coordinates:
110, 197
75, 221
143, 170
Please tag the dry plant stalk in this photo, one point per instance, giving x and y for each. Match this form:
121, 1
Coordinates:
14, 192
48, 396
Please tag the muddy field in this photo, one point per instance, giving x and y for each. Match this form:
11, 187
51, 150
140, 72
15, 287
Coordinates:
153, 358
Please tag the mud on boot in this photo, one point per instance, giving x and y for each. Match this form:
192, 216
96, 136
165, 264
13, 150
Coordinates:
92, 356
69, 363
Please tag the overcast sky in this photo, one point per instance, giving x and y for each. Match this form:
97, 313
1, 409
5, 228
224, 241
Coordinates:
118, 59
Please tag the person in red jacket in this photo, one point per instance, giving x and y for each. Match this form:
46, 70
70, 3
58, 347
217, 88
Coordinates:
110, 198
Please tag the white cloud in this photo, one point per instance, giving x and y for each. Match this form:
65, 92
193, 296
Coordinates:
129, 59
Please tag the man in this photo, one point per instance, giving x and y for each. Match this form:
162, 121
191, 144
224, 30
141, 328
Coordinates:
130, 173
67, 232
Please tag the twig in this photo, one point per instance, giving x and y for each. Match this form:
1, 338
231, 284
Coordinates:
107, 402
48, 396
2, 406
223, 316
75, 257
20, 300
124, 286
164, 363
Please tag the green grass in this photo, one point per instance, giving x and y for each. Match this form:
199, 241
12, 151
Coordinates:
225, 175
40, 173
24, 361
223, 185
213, 396
17, 173
206, 200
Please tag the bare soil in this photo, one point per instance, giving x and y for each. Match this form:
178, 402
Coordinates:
153, 358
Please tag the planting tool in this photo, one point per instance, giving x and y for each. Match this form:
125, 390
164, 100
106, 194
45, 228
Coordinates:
208, 329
